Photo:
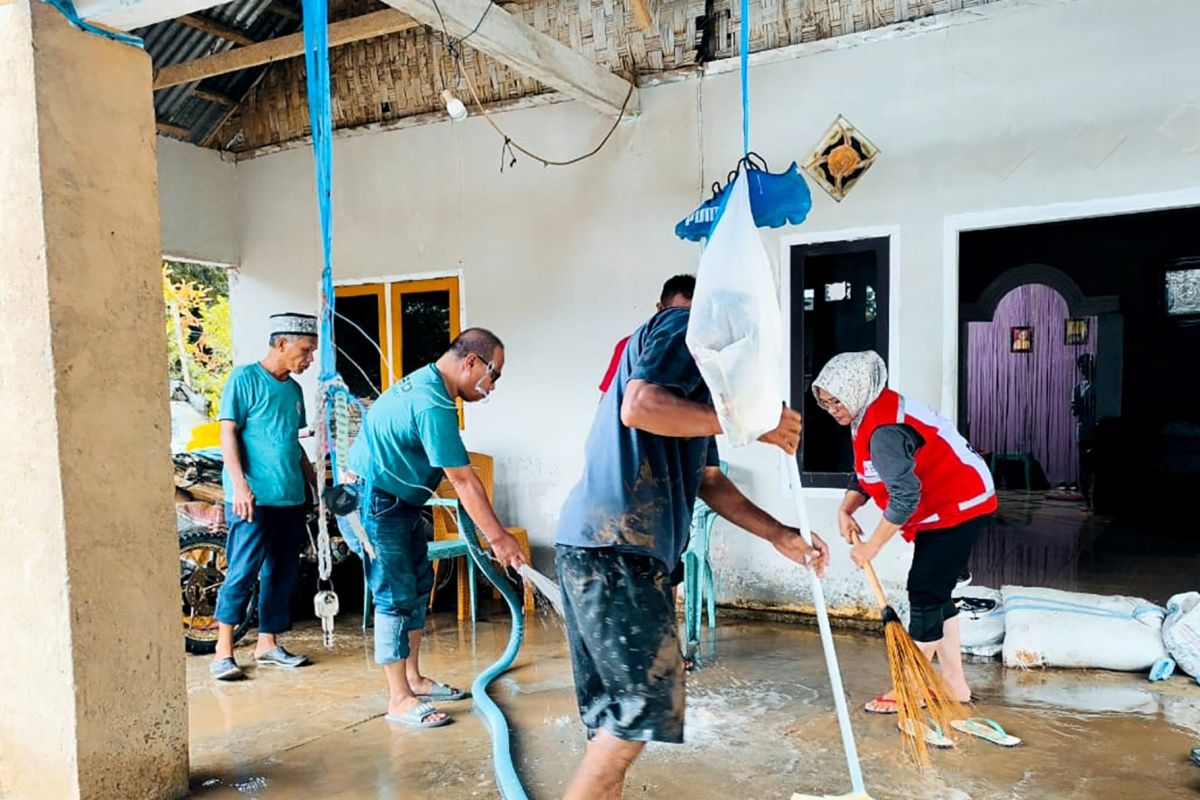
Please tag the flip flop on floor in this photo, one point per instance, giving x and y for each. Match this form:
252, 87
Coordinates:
881, 705
986, 729
418, 717
444, 692
933, 734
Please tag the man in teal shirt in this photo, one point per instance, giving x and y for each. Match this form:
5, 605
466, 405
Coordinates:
410, 438
262, 412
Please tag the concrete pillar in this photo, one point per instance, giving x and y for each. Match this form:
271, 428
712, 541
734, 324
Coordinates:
93, 700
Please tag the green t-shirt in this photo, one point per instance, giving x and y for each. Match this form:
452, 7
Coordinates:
414, 435
269, 413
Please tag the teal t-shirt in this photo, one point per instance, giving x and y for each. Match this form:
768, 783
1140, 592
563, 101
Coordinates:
413, 430
269, 414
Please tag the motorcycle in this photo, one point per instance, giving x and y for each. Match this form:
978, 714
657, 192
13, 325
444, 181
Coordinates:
202, 532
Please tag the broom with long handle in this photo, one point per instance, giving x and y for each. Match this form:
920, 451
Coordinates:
831, 662
920, 690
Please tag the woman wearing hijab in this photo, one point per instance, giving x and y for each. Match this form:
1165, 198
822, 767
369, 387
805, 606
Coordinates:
933, 488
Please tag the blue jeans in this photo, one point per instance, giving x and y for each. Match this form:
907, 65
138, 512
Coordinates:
400, 576
268, 549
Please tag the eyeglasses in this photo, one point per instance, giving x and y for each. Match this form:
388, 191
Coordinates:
830, 405
490, 371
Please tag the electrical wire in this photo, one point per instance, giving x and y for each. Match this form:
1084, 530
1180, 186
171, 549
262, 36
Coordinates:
509, 142
453, 48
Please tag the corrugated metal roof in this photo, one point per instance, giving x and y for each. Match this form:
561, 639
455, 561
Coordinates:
172, 42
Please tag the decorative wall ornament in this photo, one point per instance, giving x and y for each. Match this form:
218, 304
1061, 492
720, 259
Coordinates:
1020, 340
842, 157
1182, 289
1075, 331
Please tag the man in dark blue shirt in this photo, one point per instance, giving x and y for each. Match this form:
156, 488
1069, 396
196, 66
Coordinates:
622, 531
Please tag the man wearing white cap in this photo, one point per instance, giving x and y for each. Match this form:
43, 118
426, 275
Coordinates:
262, 412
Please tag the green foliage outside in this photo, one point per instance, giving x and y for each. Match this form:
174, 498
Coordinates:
197, 316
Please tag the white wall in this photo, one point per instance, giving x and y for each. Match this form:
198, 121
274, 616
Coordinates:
1008, 106
196, 203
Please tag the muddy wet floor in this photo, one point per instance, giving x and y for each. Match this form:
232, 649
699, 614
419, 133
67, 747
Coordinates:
759, 725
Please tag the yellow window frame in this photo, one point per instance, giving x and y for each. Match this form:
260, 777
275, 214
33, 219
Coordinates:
401, 288
377, 290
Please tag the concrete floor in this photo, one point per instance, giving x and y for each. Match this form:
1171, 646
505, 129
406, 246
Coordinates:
1037, 541
759, 725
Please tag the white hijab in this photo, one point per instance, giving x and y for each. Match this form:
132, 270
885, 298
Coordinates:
856, 380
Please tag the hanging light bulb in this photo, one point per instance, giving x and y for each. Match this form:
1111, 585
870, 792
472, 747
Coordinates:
454, 106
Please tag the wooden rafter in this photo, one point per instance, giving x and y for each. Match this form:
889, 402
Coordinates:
230, 111
175, 131
214, 97
287, 12
365, 26
507, 39
214, 28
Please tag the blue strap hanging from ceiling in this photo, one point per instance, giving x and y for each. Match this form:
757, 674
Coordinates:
744, 56
316, 60
67, 8
334, 396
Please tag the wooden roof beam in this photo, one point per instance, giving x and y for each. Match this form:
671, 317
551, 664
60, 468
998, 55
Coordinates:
287, 12
214, 28
174, 131
214, 97
509, 40
365, 26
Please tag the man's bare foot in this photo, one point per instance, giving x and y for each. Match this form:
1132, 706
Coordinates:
420, 684
400, 707
434, 690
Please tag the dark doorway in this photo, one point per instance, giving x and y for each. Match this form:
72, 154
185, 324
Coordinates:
1131, 277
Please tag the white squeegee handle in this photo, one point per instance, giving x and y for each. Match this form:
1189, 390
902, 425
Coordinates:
831, 662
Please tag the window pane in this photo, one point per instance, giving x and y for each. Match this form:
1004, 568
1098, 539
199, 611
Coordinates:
425, 331
356, 334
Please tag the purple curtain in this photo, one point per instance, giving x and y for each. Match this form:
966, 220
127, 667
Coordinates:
1021, 402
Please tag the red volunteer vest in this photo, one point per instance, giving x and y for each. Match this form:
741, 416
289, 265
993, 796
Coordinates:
956, 484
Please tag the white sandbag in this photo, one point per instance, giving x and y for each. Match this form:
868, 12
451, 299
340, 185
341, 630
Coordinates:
735, 328
980, 623
1052, 628
1181, 632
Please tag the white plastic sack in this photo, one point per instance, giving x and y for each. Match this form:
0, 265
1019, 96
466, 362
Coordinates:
735, 331
1181, 632
1048, 627
981, 629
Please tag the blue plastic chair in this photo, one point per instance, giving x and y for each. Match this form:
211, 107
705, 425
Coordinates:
443, 548
699, 589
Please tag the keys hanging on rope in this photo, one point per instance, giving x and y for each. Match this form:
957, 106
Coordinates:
325, 606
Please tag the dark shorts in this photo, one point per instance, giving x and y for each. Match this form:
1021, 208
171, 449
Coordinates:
938, 559
624, 643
